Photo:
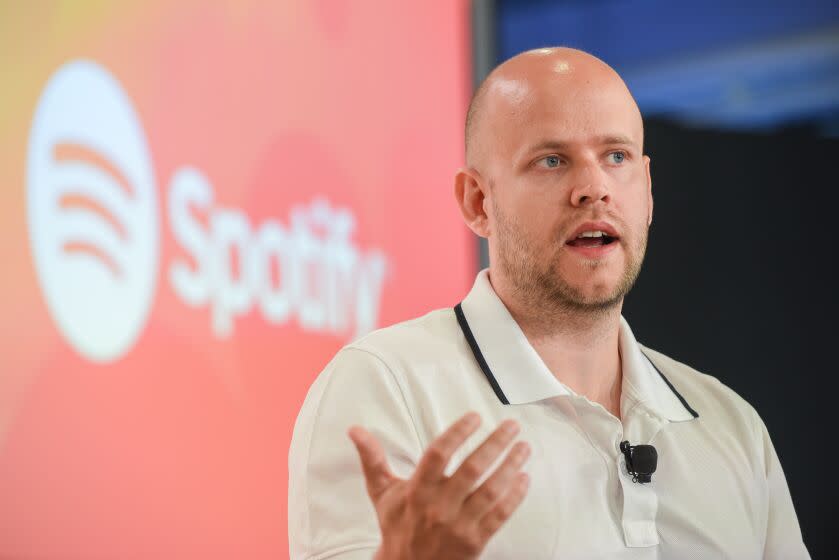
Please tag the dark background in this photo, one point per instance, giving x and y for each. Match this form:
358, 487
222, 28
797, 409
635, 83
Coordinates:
739, 283
741, 109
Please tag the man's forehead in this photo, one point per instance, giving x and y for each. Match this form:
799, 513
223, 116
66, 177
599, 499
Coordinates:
513, 91
587, 101
537, 93
573, 117
549, 90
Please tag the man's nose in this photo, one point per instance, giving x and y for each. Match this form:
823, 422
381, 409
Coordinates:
590, 185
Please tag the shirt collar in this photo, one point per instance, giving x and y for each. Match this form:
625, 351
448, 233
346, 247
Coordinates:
518, 375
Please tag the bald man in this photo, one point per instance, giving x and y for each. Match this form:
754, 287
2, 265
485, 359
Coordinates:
527, 421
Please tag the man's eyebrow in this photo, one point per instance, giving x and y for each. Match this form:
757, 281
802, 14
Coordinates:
606, 140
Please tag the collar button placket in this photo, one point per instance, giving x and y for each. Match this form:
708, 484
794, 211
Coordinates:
640, 500
640, 505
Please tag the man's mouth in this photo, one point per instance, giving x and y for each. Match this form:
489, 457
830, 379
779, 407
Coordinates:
594, 238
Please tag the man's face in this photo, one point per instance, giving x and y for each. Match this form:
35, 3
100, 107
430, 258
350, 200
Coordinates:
568, 155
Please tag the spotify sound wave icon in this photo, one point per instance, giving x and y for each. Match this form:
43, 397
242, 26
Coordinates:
92, 211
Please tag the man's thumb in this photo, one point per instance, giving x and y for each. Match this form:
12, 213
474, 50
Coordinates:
373, 461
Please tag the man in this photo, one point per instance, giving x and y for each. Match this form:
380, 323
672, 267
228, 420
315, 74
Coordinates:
557, 182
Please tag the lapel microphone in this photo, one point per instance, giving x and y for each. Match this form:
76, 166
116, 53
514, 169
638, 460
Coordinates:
641, 461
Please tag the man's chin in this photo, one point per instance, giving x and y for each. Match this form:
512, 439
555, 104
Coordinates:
593, 287
583, 298
597, 301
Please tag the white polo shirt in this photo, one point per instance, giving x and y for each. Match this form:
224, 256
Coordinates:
718, 492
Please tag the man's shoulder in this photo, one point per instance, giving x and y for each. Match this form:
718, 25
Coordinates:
705, 393
431, 334
404, 354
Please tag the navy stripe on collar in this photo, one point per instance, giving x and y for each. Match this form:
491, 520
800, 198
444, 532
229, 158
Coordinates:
479, 357
675, 392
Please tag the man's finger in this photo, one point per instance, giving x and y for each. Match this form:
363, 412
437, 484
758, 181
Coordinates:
498, 485
436, 457
373, 461
501, 512
473, 468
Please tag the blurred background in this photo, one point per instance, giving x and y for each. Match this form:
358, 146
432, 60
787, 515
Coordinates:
201, 202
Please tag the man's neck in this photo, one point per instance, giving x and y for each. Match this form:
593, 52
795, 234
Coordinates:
580, 348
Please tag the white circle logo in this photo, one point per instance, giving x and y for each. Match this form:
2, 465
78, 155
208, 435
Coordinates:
92, 211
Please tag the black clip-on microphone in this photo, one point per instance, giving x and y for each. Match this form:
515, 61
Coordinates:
641, 461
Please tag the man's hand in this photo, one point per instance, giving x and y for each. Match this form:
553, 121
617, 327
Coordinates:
432, 515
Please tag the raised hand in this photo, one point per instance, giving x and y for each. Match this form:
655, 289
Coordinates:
432, 515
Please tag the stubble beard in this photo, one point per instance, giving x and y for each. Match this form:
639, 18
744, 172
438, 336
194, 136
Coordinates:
539, 285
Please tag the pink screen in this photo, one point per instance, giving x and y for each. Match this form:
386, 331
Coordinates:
201, 203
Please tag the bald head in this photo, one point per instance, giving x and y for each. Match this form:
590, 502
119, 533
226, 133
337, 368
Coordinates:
534, 81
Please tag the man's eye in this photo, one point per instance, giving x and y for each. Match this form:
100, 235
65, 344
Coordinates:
550, 161
617, 157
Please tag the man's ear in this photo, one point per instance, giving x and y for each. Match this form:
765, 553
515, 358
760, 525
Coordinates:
470, 191
649, 191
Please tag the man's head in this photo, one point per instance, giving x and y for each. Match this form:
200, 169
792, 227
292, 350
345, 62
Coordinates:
554, 147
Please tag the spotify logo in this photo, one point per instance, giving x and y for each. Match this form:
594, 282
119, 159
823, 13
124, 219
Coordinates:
92, 211
94, 230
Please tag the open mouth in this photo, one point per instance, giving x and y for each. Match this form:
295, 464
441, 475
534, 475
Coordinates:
592, 239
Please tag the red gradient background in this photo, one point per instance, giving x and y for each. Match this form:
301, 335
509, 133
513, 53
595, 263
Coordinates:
179, 449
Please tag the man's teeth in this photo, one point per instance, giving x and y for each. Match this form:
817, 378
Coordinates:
592, 234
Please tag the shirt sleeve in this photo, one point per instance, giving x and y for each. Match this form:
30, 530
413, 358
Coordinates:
329, 512
783, 533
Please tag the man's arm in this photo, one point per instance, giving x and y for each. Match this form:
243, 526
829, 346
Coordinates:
783, 534
329, 512
392, 497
